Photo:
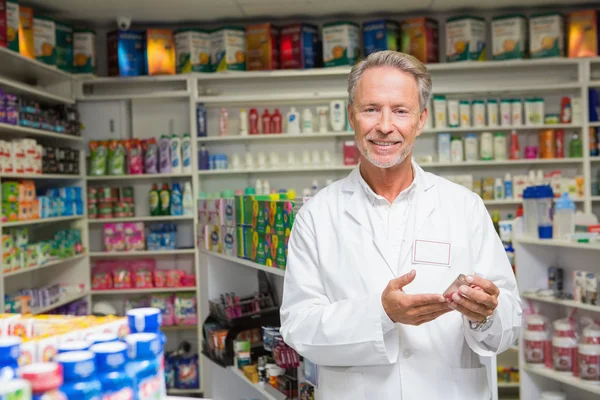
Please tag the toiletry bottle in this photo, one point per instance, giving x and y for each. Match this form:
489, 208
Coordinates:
203, 158
223, 122
276, 122
515, 151
165, 200
565, 110
498, 189
253, 119
154, 201
164, 147
337, 115
188, 199
293, 121
135, 162
508, 186
266, 187
150, 156
175, 154
575, 146
258, 189
266, 122
186, 154
176, 200
201, 120
307, 122
323, 121
243, 122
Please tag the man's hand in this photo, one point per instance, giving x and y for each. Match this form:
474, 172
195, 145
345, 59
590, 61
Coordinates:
478, 301
411, 309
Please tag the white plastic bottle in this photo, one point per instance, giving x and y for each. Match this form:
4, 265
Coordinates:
508, 186
186, 154
337, 115
258, 188
307, 121
243, 122
175, 154
323, 121
499, 189
293, 121
564, 218
266, 187
188, 199
471, 149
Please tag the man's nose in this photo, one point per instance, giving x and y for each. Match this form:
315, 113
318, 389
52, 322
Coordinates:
385, 122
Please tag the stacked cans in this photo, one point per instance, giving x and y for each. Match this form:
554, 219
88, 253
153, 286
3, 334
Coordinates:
60, 160
110, 202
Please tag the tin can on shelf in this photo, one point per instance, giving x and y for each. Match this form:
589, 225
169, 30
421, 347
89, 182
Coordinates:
92, 195
92, 210
105, 210
104, 194
126, 194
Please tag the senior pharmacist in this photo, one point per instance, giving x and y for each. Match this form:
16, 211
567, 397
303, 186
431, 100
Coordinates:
370, 257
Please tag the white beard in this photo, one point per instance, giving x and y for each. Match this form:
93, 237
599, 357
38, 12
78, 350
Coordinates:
362, 147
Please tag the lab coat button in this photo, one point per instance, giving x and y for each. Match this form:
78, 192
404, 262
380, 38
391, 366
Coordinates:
407, 353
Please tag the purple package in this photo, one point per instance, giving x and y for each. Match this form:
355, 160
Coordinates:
11, 108
2, 106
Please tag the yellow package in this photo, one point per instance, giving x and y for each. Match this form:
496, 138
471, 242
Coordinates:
160, 52
46, 349
28, 353
26, 43
583, 33
12, 25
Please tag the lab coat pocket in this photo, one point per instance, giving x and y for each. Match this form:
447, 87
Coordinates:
472, 383
340, 384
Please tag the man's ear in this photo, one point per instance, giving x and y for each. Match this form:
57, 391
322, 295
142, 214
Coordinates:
422, 120
351, 114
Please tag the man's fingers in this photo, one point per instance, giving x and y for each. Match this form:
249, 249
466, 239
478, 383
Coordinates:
430, 317
429, 309
472, 305
417, 300
399, 283
479, 296
471, 315
487, 285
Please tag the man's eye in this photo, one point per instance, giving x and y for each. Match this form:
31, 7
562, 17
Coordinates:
370, 110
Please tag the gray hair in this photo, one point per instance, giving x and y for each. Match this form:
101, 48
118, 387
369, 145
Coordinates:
401, 61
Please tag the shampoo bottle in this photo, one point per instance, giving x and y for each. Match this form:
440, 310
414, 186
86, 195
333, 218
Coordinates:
266, 187
175, 154
150, 156
276, 122
266, 122
293, 121
243, 122
176, 206
508, 186
164, 148
188, 199
154, 201
203, 158
201, 120
323, 122
186, 154
253, 119
165, 200
307, 121
258, 189
223, 122
337, 115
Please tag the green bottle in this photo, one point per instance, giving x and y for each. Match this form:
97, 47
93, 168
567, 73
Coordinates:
165, 200
154, 201
575, 146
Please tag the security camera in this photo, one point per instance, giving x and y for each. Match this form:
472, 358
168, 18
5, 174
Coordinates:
124, 23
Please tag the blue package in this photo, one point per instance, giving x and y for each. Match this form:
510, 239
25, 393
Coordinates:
187, 372
143, 364
10, 350
380, 35
53, 193
311, 46
594, 108
110, 363
126, 53
170, 368
79, 371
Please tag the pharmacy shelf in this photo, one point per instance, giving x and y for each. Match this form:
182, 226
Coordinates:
595, 199
275, 136
275, 170
513, 90
140, 96
180, 392
594, 124
16, 66
41, 221
16, 130
176, 328
147, 218
117, 292
142, 253
508, 385
563, 378
514, 347
594, 84
525, 161
23, 89
246, 263
595, 159
63, 302
560, 302
52, 263
275, 99
136, 177
268, 391
558, 243
42, 176
502, 128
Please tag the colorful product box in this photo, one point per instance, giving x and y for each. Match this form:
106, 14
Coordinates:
243, 209
126, 52
26, 43
261, 244
465, 39
583, 33
227, 49
192, 51
10, 212
214, 238
262, 47
300, 47
64, 46
3, 24
228, 212
279, 250
260, 216
509, 37
160, 52
546, 35
341, 43
12, 25
281, 217
243, 240
380, 35
420, 39
84, 52
229, 240
44, 40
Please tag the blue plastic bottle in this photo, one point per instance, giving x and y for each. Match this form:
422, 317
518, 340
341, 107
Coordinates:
79, 373
201, 120
75, 345
96, 338
143, 350
110, 365
10, 350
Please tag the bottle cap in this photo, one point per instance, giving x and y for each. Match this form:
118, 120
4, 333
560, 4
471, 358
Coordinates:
75, 345
110, 356
10, 348
564, 202
544, 192
142, 345
148, 319
530, 192
43, 377
77, 365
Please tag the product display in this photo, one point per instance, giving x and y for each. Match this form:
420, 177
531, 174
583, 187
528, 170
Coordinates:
29, 300
110, 202
137, 274
135, 236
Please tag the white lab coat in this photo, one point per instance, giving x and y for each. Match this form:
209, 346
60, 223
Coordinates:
338, 267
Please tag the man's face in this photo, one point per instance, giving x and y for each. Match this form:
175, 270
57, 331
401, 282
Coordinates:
386, 116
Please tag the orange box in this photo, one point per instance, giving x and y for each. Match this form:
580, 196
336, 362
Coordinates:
262, 47
160, 52
583, 33
26, 44
420, 39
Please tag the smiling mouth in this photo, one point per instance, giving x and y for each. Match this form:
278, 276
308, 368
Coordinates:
384, 143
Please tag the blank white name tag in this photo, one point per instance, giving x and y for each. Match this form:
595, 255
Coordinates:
429, 252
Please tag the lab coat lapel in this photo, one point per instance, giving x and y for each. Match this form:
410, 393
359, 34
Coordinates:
357, 209
424, 204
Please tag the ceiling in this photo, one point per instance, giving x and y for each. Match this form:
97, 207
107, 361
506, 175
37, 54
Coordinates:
103, 12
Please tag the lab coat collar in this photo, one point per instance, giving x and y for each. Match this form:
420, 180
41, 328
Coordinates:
358, 202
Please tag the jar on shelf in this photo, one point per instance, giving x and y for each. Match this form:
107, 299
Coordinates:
591, 334
589, 362
536, 344
564, 354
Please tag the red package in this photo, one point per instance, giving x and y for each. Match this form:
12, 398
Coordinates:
174, 278
160, 278
188, 280
102, 276
122, 276
143, 271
